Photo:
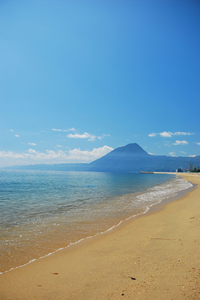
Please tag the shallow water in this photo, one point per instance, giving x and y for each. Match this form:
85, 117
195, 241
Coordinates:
42, 211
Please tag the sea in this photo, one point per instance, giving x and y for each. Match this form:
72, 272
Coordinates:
42, 212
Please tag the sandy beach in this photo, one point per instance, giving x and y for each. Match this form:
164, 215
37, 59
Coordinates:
155, 256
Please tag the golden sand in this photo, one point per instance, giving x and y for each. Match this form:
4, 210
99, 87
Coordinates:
156, 256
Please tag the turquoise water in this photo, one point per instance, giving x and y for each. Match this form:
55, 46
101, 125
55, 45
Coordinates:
42, 211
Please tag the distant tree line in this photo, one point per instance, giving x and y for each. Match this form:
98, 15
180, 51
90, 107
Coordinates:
196, 170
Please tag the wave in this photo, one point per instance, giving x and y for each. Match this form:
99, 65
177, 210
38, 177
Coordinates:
137, 203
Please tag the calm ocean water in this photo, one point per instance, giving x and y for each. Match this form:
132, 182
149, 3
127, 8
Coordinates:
43, 211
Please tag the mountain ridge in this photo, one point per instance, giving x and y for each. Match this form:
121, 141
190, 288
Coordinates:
126, 159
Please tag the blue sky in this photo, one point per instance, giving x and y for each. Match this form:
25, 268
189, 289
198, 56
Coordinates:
80, 78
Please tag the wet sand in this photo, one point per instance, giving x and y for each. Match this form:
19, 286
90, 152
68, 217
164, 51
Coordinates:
155, 256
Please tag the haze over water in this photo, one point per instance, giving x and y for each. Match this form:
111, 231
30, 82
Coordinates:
42, 211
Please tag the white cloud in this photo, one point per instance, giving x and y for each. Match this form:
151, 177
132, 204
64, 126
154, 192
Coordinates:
10, 154
32, 144
16, 135
89, 155
180, 143
183, 133
152, 134
172, 154
169, 134
59, 146
150, 153
192, 155
11, 130
166, 134
85, 135
183, 152
65, 130
52, 157
103, 135
31, 151
198, 144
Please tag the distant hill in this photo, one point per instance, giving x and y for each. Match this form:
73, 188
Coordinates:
132, 159
128, 159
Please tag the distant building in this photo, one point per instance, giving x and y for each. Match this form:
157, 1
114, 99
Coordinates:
179, 170
190, 167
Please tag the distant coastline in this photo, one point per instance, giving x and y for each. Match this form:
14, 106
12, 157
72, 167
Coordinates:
128, 159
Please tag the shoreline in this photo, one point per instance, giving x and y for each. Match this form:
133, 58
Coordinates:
99, 268
149, 210
24, 239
